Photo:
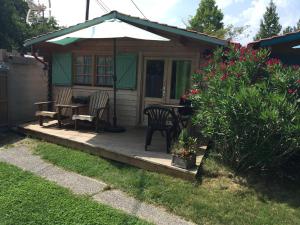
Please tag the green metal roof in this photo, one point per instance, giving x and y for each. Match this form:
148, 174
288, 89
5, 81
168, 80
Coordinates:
285, 38
132, 20
66, 41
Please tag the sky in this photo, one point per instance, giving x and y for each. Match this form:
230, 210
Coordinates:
178, 12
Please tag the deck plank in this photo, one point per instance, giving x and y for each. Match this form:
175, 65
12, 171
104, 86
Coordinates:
127, 147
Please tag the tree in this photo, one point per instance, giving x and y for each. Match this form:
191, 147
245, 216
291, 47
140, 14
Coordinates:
290, 29
42, 26
208, 19
12, 23
298, 25
269, 25
15, 30
232, 32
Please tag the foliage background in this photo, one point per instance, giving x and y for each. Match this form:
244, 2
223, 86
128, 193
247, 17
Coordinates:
249, 105
269, 25
209, 20
13, 27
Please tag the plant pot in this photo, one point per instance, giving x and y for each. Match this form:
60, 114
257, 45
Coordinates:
184, 163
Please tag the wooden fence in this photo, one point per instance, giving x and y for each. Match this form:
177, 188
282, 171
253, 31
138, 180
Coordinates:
3, 100
22, 82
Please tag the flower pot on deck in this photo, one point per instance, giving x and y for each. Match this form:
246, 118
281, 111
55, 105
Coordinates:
184, 162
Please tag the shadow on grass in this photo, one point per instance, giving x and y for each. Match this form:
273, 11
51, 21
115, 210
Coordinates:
140, 192
276, 188
8, 138
141, 176
271, 187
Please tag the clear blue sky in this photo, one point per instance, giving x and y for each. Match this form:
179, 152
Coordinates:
177, 12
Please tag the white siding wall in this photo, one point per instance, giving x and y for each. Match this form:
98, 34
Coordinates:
126, 102
129, 103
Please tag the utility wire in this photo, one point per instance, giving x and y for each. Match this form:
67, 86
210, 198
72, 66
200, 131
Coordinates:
105, 5
101, 6
138, 8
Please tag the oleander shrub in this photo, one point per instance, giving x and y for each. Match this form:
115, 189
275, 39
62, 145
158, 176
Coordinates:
248, 104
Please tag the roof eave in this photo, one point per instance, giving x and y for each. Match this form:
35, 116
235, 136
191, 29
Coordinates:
126, 18
276, 40
178, 31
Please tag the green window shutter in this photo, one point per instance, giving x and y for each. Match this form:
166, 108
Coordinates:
62, 69
126, 71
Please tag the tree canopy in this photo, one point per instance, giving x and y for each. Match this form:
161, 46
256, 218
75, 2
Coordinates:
290, 29
269, 25
12, 23
15, 30
208, 19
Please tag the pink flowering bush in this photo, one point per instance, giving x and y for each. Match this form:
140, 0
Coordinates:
248, 104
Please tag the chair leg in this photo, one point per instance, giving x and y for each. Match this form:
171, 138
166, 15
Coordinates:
76, 124
59, 123
59, 117
41, 120
97, 125
108, 115
148, 138
168, 140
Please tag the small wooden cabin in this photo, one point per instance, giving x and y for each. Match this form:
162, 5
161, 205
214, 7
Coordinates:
147, 71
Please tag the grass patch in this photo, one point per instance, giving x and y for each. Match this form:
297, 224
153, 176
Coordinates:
221, 199
28, 199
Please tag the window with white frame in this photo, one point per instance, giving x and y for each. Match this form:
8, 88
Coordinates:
104, 71
94, 70
83, 70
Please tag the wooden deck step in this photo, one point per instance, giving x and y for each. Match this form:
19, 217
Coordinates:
127, 147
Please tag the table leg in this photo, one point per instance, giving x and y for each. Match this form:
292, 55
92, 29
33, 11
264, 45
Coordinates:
59, 117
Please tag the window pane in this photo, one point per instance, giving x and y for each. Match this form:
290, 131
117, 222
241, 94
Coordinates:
100, 61
83, 70
180, 81
104, 71
154, 78
79, 60
79, 70
88, 60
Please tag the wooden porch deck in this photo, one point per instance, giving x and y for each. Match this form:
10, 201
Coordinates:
127, 147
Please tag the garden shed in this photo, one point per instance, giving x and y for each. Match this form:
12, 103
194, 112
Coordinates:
147, 71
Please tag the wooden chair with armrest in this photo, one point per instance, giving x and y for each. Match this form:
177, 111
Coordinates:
64, 96
99, 102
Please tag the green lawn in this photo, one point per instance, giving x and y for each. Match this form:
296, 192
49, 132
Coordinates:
28, 199
222, 198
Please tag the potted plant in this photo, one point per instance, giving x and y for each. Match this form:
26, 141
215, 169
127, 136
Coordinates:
184, 151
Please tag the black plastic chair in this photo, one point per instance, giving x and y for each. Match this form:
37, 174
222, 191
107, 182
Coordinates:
186, 112
161, 119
